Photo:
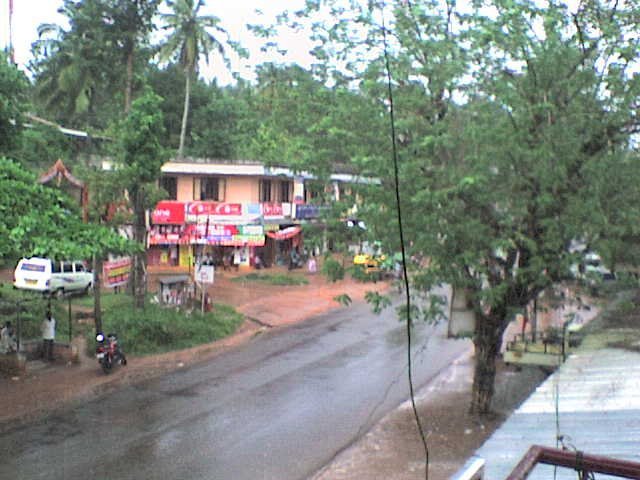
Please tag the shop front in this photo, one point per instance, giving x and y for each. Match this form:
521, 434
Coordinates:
226, 235
167, 244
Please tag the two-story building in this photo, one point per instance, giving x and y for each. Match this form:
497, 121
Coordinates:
218, 208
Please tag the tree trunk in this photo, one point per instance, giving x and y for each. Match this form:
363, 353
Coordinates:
140, 258
97, 284
486, 341
185, 112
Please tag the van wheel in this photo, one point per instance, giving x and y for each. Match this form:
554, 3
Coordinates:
60, 293
88, 289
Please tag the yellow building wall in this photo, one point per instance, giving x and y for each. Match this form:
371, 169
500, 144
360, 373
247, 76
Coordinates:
242, 190
237, 189
185, 188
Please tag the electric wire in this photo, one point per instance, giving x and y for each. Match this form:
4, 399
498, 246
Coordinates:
402, 244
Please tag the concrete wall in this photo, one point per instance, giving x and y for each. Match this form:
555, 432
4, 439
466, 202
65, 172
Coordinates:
242, 190
462, 320
185, 188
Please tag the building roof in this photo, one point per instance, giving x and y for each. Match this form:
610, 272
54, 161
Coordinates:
597, 396
248, 168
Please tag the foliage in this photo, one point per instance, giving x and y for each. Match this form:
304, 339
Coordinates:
379, 302
139, 151
139, 156
13, 104
272, 279
78, 72
343, 299
39, 220
42, 146
359, 273
332, 269
512, 131
188, 40
159, 329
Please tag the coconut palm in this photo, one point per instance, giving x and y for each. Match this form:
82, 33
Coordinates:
188, 40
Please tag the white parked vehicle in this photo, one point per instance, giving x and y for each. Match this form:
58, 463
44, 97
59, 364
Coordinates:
49, 276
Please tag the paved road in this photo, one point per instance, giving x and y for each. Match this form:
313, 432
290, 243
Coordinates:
279, 407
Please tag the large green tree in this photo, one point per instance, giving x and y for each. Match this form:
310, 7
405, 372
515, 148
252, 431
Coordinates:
13, 104
510, 127
79, 71
139, 155
190, 39
40, 220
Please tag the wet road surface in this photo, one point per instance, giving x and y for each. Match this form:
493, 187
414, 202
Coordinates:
279, 407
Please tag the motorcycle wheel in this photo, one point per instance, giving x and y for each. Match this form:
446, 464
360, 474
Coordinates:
106, 365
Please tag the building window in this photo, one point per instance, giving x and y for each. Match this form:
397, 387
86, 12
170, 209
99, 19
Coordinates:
265, 190
285, 191
170, 184
211, 188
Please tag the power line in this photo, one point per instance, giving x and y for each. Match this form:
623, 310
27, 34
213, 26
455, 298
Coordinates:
402, 245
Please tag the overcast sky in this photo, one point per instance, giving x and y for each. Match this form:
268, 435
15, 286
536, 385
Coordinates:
28, 14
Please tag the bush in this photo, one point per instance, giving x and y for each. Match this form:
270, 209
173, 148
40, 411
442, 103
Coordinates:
359, 273
333, 269
158, 329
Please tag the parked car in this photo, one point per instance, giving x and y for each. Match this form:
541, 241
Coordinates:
52, 276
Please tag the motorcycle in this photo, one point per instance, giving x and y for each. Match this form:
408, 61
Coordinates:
108, 352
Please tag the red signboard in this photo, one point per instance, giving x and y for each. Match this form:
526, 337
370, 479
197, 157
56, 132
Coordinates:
168, 212
116, 272
272, 210
213, 208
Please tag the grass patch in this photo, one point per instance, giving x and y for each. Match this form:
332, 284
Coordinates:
272, 279
158, 329
108, 300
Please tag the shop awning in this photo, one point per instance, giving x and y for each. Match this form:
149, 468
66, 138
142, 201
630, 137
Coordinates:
284, 234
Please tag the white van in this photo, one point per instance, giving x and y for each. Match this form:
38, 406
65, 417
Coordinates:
46, 275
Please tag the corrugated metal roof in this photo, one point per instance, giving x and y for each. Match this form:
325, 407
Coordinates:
598, 413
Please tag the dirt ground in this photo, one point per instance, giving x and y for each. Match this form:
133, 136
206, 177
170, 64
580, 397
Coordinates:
391, 450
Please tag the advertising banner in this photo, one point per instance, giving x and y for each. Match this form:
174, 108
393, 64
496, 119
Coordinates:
205, 273
272, 210
194, 210
167, 235
168, 212
307, 211
116, 272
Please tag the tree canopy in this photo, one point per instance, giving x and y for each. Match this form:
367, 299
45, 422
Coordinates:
43, 221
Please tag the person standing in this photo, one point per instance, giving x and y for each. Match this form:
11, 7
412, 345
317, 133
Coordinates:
236, 258
7, 338
48, 336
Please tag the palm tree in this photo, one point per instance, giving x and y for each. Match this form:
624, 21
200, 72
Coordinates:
189, 39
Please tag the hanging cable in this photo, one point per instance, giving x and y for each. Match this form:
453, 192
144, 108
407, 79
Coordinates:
402, 244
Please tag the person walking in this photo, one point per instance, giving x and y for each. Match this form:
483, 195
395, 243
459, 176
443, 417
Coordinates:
48, 336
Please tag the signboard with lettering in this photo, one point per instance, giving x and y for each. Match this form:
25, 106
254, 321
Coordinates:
168, 212
307, 211
116, 272
272, 210
203, 209
205, 273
